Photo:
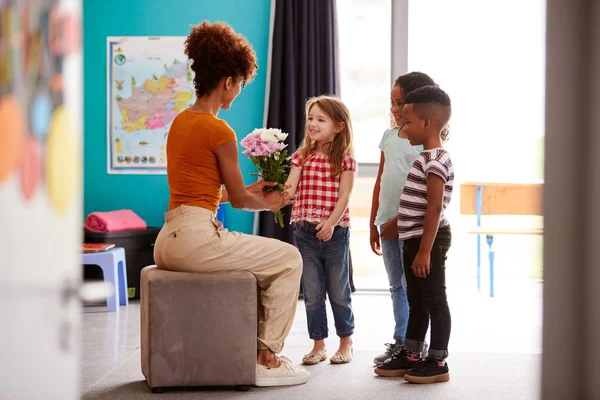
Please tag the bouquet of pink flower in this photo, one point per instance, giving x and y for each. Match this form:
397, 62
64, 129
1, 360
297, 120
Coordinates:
265, 147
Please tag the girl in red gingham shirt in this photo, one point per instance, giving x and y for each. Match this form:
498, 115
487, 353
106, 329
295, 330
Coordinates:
321, 179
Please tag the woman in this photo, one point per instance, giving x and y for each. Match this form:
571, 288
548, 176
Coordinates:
202, 155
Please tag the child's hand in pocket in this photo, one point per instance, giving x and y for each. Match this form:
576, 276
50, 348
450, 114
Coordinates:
390, 229
325, 231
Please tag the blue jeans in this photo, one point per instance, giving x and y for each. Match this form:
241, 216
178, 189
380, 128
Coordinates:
393, 260
326, 269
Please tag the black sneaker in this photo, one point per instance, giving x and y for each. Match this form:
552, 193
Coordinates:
387, 354
396, 366
429, 371
395, 347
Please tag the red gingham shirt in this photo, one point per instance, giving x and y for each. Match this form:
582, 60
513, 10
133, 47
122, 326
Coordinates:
317, 192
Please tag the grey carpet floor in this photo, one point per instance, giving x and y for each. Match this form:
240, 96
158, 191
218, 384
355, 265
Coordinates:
473, 377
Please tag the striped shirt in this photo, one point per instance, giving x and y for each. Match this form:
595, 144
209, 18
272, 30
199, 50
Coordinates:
413, 201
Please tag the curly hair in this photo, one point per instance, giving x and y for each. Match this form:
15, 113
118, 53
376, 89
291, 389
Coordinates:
433, 102
218, 52
407, 83
445, 133
413, 80
335, 109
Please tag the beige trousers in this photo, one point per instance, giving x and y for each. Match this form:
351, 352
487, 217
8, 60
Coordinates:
193, 240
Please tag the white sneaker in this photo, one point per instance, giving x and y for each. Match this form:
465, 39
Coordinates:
285, 375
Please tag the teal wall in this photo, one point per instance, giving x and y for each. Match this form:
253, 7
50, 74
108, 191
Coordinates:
148, 195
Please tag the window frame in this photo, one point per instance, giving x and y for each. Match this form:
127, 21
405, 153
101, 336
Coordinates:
399, 49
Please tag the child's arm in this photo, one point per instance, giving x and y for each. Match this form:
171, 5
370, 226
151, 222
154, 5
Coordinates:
292, 181
373, 232
435, 200
326, 227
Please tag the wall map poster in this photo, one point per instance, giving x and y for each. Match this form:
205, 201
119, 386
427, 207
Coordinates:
149, 81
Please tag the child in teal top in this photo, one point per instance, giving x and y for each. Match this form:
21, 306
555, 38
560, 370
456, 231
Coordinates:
397, 157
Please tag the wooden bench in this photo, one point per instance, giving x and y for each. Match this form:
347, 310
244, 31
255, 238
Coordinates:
487, 198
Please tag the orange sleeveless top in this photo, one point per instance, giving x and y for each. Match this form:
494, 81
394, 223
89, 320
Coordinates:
192, 165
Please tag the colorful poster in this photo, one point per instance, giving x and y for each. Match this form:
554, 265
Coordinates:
149, 82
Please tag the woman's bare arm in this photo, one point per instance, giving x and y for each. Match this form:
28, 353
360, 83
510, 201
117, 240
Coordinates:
238, 196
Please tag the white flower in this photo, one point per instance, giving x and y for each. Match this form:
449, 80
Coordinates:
272, 135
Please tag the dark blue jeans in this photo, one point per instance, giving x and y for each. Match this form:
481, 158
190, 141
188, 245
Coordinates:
326, 272
427, 297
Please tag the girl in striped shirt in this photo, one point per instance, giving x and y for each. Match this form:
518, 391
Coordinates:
427, 238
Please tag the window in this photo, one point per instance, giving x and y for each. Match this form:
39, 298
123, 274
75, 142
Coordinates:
490, 58
365, 70
365, 39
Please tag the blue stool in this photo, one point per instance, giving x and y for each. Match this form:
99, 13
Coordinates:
114, 269
221, 214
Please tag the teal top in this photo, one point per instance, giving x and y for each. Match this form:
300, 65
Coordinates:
399, 157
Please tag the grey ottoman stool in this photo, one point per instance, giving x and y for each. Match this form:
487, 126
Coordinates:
198, 329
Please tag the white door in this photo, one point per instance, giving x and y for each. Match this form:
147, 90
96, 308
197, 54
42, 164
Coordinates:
40, 198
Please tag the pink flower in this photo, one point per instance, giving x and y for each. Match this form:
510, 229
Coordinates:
261, 151
281, 146
273, 147
266, 149
256, 144
248, 143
